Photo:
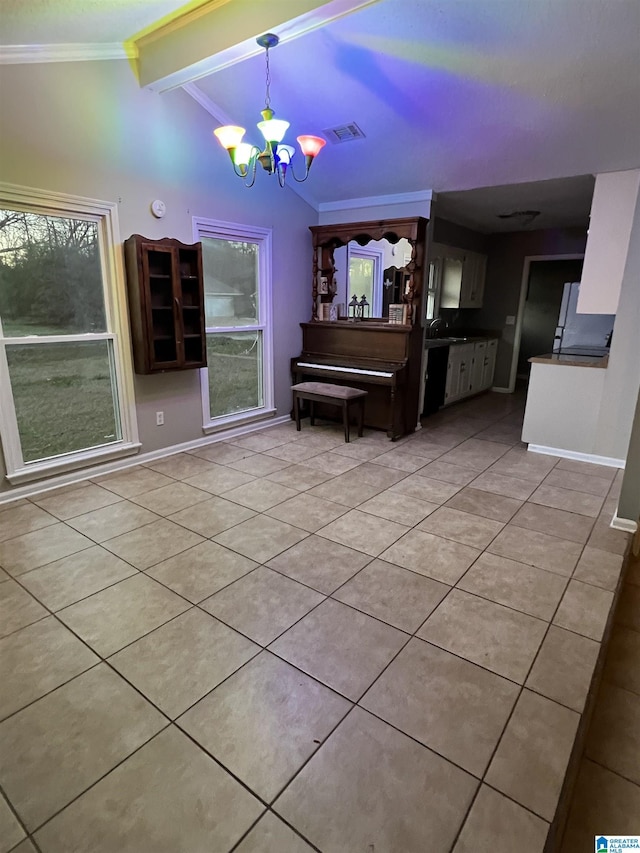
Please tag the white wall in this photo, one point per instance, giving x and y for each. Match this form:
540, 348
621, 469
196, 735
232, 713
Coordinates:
88, 129
622, 383
614, 201
629, 502
563, 402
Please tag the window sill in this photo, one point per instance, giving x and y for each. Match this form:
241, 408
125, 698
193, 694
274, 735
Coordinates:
238, 420
41, 470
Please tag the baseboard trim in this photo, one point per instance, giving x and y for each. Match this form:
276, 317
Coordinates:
609, 461
499, 390
72, 477
626, 524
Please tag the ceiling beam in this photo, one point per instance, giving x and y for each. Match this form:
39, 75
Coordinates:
223, 32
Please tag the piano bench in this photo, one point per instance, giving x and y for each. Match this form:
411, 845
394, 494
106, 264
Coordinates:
336, 395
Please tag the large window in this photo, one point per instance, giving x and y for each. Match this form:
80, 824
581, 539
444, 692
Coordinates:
237, 383
66, 397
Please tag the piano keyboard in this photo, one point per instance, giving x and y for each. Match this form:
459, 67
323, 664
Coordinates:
335, 369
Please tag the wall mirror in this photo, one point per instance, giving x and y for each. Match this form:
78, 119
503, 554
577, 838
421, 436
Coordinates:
377, 271
382, 261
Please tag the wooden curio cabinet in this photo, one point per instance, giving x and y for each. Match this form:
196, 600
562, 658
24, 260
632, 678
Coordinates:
166, 304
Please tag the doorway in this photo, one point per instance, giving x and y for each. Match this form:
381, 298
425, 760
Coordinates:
543, 298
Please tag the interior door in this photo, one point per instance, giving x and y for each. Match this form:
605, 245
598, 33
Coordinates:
542, 307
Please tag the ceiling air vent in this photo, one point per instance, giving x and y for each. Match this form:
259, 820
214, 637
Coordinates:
343, 133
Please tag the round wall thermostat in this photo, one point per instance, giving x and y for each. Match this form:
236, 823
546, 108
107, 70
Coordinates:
158, 208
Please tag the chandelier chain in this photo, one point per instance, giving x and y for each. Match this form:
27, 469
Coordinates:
267, 99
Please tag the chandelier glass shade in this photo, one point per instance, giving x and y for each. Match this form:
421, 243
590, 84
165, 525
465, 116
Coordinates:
276, 157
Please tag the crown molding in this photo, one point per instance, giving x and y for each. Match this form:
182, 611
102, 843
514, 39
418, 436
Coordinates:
20, 54
222, 118
376, 201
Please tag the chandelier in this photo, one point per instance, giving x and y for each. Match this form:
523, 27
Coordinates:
276, 157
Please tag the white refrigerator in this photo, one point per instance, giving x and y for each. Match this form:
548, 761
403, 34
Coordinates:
581, 334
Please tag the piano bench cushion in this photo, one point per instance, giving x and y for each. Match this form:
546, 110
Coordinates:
326, 389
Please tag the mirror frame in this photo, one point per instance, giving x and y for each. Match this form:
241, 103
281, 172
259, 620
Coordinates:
326, 238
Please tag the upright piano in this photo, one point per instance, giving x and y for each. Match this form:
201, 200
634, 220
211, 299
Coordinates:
371, 355
382, 358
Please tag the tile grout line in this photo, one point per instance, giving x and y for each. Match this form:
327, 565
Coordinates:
613, 772
12, 810
270, 811
58, 811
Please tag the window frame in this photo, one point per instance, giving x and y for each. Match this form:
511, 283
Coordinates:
369, 253
236, 232
105, 215
432, 288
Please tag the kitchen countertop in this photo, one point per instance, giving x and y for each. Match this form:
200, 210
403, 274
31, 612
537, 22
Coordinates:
571, 359
430, 343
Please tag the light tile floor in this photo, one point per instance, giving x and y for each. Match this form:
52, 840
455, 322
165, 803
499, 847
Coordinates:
286, 643
607, 793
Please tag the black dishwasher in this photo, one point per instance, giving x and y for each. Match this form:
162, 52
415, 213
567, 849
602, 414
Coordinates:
437, 360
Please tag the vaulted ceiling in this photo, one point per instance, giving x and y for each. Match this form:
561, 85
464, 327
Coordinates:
451, 95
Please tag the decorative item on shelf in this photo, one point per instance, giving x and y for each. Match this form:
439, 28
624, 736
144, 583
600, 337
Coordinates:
354, 308
399, 314
334, 313
324, 311
323, 285
364, 307
276, 156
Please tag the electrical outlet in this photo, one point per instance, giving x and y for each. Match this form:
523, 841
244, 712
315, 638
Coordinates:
510, 321
159, 418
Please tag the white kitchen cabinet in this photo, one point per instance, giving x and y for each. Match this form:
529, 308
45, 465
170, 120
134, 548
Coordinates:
459, 368
451, 272
462, 276
489, 364
473, 276
478, 365
470, 369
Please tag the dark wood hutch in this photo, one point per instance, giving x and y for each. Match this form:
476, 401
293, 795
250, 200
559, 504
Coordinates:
383, 358
165, 286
